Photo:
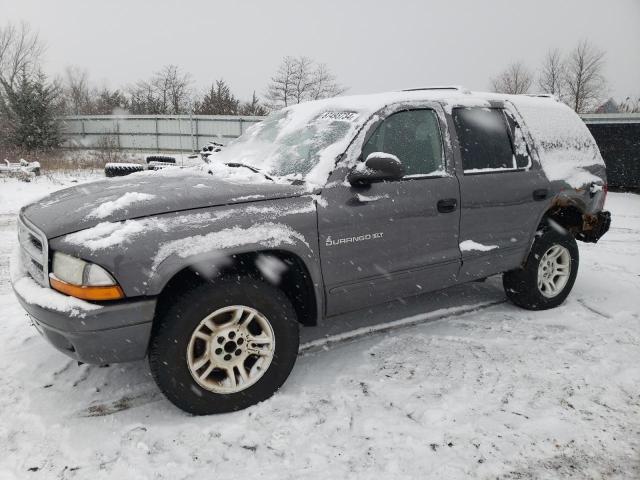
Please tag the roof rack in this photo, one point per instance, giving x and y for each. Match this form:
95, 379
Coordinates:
541, 95
444, 87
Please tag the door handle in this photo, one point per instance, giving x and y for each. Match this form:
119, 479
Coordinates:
540, 194
447, 205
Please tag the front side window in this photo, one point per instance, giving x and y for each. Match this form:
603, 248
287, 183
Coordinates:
414, 137
484, 139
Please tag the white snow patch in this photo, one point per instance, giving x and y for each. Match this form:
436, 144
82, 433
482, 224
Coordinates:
246, 197
271, 267
129, 198
279, 211
389, 156
266, 234
470, 245
107, 234
371, 198
320, 200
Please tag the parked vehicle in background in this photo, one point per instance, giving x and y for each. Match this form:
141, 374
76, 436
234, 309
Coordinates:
323, 208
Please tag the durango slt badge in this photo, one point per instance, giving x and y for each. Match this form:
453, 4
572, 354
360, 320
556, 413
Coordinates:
341, 241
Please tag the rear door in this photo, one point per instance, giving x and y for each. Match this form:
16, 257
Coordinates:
503, 190
393, 239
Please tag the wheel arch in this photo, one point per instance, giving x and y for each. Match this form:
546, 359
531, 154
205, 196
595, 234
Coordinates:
569, 212
299, 282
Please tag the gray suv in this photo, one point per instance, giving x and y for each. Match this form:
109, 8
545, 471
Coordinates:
323, 208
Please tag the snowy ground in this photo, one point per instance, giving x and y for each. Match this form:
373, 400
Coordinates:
463, 385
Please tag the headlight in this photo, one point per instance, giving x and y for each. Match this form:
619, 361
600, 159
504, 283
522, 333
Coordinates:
81, 279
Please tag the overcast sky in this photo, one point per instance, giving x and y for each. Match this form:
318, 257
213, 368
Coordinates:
370, 45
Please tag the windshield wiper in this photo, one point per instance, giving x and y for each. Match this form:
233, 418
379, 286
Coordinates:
253, 169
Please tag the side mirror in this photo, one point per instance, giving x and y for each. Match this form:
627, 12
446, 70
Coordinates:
378, 167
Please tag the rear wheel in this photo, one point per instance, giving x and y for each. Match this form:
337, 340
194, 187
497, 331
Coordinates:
548, 275
224, 346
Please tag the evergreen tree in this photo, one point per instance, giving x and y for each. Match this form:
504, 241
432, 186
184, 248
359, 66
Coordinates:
30, 112
218, 101
253, 108
108, 102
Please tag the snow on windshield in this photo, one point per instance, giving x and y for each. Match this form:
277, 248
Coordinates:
297, 142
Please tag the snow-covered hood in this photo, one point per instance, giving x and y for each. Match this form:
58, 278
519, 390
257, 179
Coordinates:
84, 206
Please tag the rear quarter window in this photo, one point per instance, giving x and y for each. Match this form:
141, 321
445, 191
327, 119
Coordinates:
484, 139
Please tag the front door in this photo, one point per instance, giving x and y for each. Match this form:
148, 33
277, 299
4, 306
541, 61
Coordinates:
393, 239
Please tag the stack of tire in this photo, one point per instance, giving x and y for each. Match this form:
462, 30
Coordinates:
154, 162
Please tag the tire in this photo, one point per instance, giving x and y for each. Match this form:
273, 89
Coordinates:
121, 169
526, 286
161, 158
154, 165
174, 342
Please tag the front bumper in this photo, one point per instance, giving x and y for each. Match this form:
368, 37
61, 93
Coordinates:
113, 333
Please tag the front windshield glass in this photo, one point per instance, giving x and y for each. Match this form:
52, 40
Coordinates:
297, 142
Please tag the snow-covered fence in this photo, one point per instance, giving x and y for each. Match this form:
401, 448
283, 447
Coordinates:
152, 132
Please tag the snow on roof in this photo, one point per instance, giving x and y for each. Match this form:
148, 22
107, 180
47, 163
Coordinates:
564, 143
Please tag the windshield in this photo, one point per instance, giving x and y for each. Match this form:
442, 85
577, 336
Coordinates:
298, 142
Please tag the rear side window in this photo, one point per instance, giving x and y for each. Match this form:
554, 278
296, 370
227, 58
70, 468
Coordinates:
414, 137
518, 141
484, 140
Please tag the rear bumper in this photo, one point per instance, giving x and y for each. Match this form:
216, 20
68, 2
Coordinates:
113, 333
598, 225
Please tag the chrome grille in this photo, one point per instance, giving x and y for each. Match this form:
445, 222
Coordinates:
33, 251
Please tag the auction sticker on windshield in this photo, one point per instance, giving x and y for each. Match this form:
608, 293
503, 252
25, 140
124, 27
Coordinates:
346, 116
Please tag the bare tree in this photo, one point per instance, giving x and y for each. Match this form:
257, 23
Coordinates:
324, 84
585, 80
630, 105
298, 79
76, 91
553, 74
516, 79
302, 81
20, 51
173, 89
280, 92
167, 92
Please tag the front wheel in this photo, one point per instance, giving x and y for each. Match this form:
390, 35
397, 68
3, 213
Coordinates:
225, 346
548, 275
